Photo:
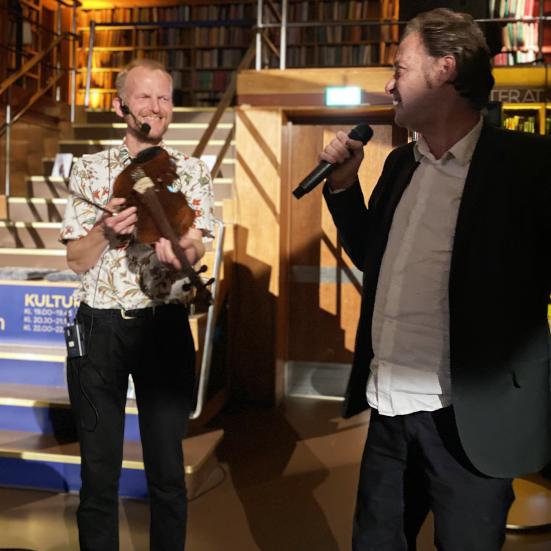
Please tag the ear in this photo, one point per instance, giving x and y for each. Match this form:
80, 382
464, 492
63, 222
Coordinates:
446, 69
117, 102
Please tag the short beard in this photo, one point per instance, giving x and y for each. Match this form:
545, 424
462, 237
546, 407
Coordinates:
146, 138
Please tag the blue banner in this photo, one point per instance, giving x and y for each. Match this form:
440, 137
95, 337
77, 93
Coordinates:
35, 313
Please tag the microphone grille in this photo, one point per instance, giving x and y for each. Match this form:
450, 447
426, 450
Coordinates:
362, 133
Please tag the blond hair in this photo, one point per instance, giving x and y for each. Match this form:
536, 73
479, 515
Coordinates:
151, 64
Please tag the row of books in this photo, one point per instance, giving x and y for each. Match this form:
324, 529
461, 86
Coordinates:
216, 81
520, 39
200, 37
365, 54
109, 38
223, 36
520, 36
176, 58
219, 57
339, 33
514, 58
182, 79
333, 10
215, 12
512, 8
521, 123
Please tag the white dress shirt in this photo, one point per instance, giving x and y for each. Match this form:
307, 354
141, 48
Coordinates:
410, 370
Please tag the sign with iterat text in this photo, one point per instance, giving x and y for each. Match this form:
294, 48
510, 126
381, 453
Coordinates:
35, 313
520, 95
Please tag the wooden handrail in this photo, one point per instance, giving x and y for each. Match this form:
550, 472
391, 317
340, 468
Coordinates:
27, 66
32, 100
270, 44
222, 152
274, 9
225, 101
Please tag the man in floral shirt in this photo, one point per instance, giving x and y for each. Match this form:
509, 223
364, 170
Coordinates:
128, 324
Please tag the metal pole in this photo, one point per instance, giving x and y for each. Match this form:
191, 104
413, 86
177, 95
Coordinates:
58, 52
258, 58
8, 146
73, 63
89, 64
283, 36
206, 360
540, 31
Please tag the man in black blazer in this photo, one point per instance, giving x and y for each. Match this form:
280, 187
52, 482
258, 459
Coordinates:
453, 347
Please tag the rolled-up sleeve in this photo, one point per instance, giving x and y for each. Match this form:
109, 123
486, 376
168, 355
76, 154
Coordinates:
79, 216
198, 189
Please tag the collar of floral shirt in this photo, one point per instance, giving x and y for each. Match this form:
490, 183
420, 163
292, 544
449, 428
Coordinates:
124, 154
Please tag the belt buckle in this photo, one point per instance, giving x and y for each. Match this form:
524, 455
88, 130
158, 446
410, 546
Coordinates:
124, 316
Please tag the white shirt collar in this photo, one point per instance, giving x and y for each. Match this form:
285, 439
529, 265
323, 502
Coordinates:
462, 151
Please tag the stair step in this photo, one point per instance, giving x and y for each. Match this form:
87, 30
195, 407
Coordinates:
57, 187
32, 235
53, 258
48, 209
44, 461
47, 410
47, 187
40, 187
43, 365
179, 115
34, 258
82, 147
36, 209
190, 131
32, 346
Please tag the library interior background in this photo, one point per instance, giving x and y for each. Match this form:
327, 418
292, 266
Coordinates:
260, 86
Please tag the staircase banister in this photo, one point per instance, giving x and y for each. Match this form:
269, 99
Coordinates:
37, 58
225, 101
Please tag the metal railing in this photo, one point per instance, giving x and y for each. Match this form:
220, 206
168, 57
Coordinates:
206, 359
42, 88
282, 24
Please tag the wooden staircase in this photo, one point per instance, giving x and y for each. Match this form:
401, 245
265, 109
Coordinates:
38, 446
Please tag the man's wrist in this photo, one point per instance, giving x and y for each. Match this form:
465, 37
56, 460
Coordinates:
339, 188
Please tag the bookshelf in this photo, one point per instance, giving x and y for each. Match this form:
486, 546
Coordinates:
200, 44
527, 117
521, 38
337, 33
25, 32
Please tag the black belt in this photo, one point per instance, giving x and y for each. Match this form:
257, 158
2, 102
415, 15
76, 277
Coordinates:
120, 313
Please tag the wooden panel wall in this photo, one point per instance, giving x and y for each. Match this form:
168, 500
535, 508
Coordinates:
324, 288
284, 304
256, 281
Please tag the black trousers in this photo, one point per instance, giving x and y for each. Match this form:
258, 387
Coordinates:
415, 463
156, 347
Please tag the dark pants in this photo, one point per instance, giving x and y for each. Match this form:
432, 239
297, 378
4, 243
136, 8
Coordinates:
156, 347
415, 463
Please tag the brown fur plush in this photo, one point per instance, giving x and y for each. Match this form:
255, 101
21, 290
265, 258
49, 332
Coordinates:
161, 169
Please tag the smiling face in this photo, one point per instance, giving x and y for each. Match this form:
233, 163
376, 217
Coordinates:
148, 94
414, 87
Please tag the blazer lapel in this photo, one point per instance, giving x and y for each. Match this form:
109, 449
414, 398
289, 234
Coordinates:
474, 189
400, 179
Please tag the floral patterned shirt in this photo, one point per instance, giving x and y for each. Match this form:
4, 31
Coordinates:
129, 276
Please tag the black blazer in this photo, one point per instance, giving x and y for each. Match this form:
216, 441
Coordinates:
500, 281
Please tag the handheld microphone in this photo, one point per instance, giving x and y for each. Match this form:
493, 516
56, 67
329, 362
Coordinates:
362, 133
143, 126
